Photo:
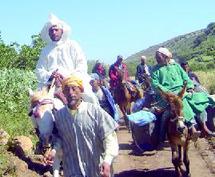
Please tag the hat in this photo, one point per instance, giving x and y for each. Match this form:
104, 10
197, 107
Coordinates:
143, 57
165, 52
94, 76
119, 57
73, 80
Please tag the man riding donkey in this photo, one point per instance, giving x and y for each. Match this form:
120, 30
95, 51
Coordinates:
118, 72
170, 77
143, 72
60, 58
123, 91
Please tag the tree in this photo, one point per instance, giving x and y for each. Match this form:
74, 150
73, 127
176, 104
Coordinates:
8, 54
29, 55
210, 29
199, 39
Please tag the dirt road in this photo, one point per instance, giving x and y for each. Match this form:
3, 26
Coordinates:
154, 163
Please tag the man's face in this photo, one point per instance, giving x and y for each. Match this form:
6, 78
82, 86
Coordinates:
161, 59
73, 95
185, 67
143, 61
55, 33
119, 60
95, 85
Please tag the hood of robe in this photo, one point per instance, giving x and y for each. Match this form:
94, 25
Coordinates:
53, 20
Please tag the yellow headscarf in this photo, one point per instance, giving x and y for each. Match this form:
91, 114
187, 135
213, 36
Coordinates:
73, 80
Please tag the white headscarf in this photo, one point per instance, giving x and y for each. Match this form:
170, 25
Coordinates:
53, 20
165, 52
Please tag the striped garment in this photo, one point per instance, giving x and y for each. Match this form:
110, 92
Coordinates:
81, 138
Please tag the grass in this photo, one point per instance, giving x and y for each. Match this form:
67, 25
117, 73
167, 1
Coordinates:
207, 79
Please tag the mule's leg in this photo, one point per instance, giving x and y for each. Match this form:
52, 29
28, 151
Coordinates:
123, 109
186, 159
128, 112
56, 164
179, 155
175, 160
180, 159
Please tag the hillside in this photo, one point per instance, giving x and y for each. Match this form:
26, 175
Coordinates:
195, 47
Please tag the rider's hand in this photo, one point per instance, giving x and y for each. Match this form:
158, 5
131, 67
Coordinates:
105, 169
58, 78
56, 75
49, 157
190, 90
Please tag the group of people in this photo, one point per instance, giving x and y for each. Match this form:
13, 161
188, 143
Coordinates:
86, 124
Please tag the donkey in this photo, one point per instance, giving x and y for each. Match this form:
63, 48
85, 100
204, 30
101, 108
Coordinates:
124, 96
177, 132
42, 103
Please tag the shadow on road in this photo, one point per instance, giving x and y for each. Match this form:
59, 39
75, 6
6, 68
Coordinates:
125, 146
163, 172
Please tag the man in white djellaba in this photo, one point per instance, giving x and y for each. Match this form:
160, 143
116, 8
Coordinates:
62, 57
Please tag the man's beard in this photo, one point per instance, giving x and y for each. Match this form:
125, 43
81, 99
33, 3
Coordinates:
72, 102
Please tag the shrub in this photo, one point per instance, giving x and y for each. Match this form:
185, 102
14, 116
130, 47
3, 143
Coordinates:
14, 84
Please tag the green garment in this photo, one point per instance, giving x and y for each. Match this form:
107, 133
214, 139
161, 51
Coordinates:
170, 78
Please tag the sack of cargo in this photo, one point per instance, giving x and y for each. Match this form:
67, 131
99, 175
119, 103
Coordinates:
144, 128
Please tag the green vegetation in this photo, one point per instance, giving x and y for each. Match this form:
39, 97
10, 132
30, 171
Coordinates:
14, 100
208, 80
22, 57
198, 48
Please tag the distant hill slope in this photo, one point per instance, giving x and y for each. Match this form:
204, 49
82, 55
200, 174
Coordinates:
196, 47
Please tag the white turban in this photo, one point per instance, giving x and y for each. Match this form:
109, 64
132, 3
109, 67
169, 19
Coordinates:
143, 57
165, 52
53, 20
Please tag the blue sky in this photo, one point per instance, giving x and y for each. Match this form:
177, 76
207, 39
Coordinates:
105, 29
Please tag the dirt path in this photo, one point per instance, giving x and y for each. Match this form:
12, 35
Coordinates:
154, 163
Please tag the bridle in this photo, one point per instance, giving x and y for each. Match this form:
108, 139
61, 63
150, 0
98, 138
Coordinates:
35, 109
177, 118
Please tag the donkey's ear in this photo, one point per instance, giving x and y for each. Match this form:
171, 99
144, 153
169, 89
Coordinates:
181, 93
30, 92
163, 94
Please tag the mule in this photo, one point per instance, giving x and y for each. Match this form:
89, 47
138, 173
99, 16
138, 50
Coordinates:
177, 132
42, 103
124, 94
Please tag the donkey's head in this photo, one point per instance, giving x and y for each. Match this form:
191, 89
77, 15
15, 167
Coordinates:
40, 101
176, 119
41, 105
